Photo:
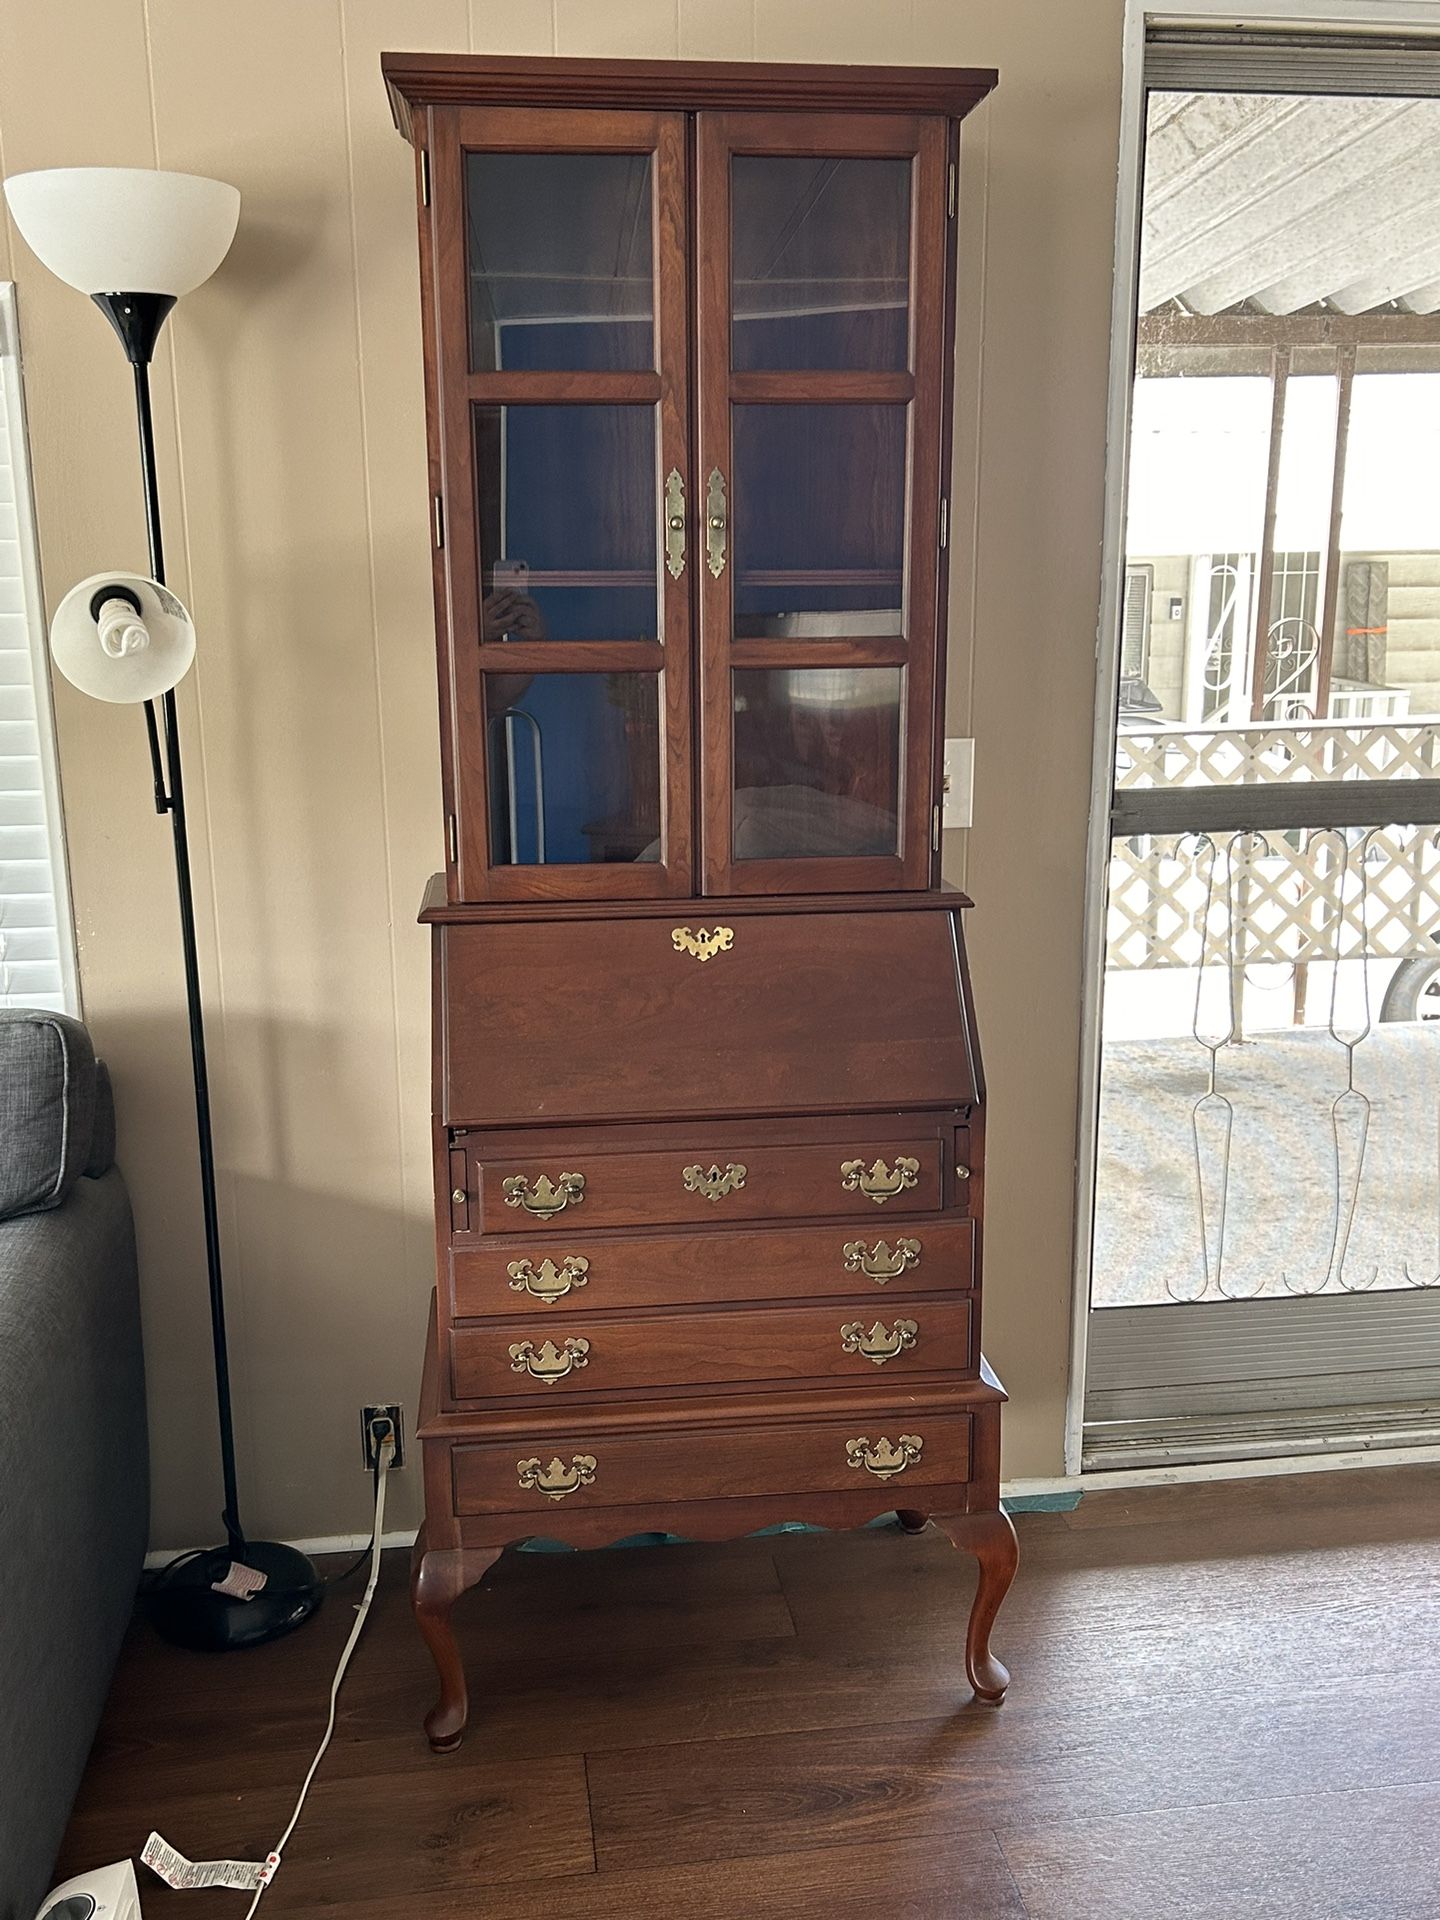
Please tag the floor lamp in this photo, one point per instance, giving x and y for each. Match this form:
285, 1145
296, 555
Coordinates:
135, 240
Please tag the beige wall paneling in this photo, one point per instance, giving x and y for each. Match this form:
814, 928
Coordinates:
391, 386
708, 32
512, 26
857, 32
1023, 606
620, 29
300, 536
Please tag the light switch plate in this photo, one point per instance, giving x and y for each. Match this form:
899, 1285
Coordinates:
959, 805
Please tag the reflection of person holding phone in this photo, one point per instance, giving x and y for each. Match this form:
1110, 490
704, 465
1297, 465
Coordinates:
509, 613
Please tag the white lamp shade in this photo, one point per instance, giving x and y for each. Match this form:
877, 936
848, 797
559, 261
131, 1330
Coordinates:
137, 660
125, 229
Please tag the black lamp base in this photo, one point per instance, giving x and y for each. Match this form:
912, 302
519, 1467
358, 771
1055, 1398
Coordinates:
184, 1610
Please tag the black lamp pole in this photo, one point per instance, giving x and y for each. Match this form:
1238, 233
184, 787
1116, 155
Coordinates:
184, 1605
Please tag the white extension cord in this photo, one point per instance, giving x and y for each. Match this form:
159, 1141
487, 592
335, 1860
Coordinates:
385, 1453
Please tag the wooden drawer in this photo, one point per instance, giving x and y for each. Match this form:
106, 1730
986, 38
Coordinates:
766, 1346
571, 1271
633, 1018
888, 1454
857, 1179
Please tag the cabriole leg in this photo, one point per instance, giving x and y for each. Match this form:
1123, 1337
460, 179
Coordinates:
991, 1538
437, 1581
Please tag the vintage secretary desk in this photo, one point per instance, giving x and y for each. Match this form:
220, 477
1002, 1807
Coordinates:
708, 1111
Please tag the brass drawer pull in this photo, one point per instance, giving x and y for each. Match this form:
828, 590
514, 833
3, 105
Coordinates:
551, 1363
704, 943
557, 1480
714, 1185
877, 1344
878, 1263
674, 523
551, 1283
544, 1199
715, 523
883, 1460
880, 1183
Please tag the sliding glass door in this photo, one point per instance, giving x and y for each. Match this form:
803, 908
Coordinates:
1266, 1248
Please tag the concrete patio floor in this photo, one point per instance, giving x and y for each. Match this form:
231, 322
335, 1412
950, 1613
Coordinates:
1281, 1203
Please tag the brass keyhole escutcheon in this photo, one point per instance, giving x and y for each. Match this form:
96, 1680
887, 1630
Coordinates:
674, 523
716, 1183
716, 517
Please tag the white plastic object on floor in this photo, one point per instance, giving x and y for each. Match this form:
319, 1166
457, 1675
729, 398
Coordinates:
109, 1893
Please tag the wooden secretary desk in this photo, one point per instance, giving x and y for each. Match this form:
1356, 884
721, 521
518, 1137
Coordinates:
708, 1111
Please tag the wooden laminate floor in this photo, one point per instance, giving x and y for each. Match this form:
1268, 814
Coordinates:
1226, 1705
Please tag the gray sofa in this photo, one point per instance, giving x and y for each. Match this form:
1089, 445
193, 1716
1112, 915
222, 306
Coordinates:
74, 1467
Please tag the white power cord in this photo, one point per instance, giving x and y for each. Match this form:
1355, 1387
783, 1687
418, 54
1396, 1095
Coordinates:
385, 1453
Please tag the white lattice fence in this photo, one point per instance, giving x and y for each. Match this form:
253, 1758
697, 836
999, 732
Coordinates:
1183, 900
1271, 756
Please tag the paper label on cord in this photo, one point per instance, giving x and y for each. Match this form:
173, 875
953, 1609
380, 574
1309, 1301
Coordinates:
176, 1871
241, 1582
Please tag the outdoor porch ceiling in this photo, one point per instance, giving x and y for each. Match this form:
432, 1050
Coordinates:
1279, 204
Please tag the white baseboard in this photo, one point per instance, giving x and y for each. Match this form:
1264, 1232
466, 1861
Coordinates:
326, 1543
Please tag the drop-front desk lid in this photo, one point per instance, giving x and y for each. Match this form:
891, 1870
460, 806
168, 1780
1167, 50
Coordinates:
654, 1009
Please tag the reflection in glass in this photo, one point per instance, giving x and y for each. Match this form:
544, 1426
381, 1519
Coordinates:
566, 505
820, 262
574, 767
818, 505
560, 261
817, 762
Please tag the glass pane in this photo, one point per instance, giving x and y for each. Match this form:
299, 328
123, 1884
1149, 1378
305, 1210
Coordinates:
560, 261
817, 762
820, 262
574, 767
567, 509
817, 506
1271, 1068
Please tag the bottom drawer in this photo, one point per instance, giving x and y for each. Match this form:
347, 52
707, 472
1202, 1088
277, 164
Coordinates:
899, 1449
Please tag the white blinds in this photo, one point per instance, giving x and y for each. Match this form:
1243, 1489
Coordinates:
37, 949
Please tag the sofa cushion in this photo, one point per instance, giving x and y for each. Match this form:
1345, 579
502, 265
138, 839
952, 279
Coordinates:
47, 1108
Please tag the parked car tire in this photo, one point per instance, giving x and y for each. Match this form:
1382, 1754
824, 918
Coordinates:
1414, 991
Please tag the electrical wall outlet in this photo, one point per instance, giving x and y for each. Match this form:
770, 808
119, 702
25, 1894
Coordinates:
368, 1441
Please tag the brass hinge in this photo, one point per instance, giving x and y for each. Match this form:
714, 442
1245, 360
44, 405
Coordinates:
953, 192
944, 522
452, 838
425, 176
935, 827
439, 521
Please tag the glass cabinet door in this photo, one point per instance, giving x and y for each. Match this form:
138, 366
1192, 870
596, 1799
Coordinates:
559, 277
820, 408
